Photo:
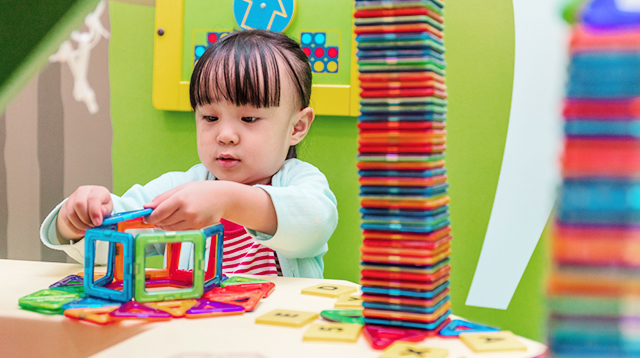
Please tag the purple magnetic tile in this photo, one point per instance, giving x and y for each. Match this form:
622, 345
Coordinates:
128, 310
66, 281
206, 306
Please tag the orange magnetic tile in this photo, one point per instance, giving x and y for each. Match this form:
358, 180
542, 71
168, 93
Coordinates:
408, 316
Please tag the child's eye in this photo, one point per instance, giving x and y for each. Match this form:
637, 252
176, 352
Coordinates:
249, 119
210, 118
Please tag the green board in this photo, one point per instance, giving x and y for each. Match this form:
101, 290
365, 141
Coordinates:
330, 17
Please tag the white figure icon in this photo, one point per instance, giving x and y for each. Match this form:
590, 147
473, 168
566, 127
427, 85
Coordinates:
78, 59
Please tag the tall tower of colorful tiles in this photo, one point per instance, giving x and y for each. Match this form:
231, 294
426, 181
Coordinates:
404, 202
594, 286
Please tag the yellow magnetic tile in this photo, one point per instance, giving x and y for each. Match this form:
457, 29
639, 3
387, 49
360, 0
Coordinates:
412, 350
329, 290
288, 318
492, 341
349, 302
333, 332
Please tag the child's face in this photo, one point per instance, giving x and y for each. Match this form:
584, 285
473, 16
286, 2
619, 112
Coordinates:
248, 145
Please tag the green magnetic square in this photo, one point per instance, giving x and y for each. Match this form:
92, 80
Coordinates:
141, 242
48, 301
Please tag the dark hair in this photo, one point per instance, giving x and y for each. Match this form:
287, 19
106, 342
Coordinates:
242, 68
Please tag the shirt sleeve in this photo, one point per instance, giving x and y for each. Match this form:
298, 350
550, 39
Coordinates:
133, 199
306, 210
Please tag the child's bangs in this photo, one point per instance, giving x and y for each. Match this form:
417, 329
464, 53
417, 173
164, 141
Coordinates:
239, 72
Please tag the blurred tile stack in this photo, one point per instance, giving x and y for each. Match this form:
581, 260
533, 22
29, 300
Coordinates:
594, 286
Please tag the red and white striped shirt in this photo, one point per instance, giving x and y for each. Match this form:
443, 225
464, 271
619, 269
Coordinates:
242, 254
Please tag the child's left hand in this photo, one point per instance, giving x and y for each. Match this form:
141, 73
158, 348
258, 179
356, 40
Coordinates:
190, 206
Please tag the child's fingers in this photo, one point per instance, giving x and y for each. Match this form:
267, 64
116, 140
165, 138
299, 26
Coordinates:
80, 212
76, 222
98, 205
161, 198
162, 212
63, 219
178, 226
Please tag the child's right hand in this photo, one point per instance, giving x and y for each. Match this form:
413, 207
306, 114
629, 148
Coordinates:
83, 209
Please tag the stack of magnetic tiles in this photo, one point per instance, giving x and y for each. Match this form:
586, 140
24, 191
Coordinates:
405, 218
594, 288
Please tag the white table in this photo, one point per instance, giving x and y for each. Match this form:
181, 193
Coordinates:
29, 334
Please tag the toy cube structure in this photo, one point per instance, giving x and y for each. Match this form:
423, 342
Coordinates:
126, 263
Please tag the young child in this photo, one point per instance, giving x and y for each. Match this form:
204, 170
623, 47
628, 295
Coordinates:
250, 91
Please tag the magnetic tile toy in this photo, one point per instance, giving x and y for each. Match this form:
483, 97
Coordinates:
343, 316
90, 302
403, 190
398, 125
266, 287
399, 53
135, 310
406, 308
99, 315
247, 299
379, 85
239, 280
125, 216
404, 301
401, 148
407, 316
98, 288
176, 308
407, 269
401, 76
408, 293
406, 244
400, 11
597, 157
398, 20
406, 276
406, 260
205, 308
71, 280
434, 249
434, 116
432, 236
457, 326
401, 214
380, 337
398, 29
48, 301
431, 326
394, 266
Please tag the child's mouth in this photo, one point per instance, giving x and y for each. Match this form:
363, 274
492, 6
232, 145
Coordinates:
227, 161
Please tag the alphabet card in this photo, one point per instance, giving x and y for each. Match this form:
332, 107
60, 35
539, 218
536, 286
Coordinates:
329, 290
289, 318
492, 342
349, 302
333, 332
412, 350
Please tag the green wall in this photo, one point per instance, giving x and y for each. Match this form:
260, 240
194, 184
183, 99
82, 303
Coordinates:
480, 55
480, 42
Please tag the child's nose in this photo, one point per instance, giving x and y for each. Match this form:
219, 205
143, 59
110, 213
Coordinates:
227, 135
